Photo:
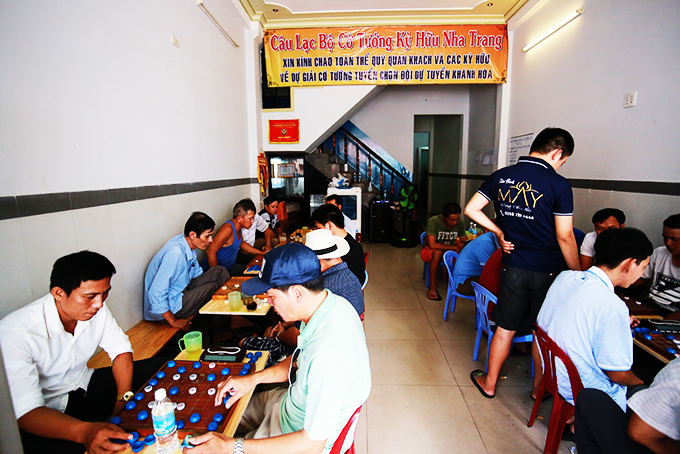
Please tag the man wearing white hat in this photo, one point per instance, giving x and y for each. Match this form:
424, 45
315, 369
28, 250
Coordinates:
281, 340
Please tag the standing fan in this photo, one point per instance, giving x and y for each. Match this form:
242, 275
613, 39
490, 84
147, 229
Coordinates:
406, 237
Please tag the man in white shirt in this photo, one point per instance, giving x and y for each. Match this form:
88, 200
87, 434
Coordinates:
664, 267
46, 345
590, 323
350, 228
606, 218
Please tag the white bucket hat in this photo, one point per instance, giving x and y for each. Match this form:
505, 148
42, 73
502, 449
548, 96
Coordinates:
326, 245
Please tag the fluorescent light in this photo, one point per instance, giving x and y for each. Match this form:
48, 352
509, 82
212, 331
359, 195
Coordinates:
553, 29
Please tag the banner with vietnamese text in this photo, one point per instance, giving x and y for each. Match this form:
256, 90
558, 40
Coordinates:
382, 55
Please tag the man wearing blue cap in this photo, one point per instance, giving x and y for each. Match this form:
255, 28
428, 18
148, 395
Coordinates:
329, 372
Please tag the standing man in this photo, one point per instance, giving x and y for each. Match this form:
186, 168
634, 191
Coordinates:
61, 404
350, 228
664, 267
606, 218
175, 286
445, 232
329, 374
534, 208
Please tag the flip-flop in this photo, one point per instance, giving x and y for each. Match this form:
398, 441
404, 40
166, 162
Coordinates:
438, 298
545, 397
473, 376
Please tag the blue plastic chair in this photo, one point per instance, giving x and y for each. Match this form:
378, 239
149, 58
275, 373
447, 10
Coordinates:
426, 266
451, 293
482, 298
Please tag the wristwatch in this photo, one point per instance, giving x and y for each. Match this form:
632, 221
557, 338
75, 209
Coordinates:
125, 397
238, 446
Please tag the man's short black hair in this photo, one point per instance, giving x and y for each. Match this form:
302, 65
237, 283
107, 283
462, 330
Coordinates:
335, 198
551, 139
451, 208
613, 246
672, 222
314, 286
198, 223
269, 200
72, 270
242, 208
328, 212
605, 213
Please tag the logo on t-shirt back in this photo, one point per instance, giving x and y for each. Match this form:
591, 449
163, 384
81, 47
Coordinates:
522, 195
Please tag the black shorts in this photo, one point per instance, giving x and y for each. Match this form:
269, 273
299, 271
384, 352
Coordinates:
520, 298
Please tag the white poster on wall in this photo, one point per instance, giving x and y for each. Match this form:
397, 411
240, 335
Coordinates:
518, 146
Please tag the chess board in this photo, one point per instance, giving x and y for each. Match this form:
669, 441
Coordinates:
232, 285
662, 346
193, 381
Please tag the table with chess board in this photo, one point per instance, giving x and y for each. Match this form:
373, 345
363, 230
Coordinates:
193, 397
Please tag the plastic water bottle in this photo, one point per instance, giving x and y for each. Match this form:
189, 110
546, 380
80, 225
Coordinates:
163, 415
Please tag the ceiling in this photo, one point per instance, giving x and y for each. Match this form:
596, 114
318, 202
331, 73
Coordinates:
337, 13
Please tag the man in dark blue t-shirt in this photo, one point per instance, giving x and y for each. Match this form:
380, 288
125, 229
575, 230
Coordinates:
534, 209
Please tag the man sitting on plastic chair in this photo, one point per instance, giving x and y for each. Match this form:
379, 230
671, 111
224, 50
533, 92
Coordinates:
445, 232
586, 319
329, 374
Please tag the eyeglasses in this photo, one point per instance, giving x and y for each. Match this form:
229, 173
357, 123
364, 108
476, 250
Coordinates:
292, 371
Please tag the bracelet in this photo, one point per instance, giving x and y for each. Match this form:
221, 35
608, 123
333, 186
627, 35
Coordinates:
238, 446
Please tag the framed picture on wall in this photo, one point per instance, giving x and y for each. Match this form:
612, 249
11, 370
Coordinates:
285, 170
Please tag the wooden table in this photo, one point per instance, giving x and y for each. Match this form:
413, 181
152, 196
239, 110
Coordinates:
640, 309
219, 304
241, 406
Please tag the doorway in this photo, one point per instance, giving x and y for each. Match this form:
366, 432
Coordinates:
437, 143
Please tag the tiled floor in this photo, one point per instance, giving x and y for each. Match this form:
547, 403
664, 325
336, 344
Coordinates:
422, 399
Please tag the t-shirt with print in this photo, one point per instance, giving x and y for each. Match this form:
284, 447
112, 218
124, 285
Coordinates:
666, 278
272, 221
527, 196
442, 235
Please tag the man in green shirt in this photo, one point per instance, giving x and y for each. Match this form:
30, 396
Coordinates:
329, 372
445, 232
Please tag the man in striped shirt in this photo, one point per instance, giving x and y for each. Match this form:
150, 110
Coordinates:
586, 319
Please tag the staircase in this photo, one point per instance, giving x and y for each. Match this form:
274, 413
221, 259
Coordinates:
370, 167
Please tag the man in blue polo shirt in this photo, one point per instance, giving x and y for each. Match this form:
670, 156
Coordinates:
329, 373
534, 209
175, 286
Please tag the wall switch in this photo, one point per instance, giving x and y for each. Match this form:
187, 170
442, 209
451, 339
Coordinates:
175, 42
629, 99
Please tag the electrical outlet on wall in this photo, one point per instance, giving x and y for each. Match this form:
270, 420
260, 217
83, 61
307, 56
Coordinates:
630, 99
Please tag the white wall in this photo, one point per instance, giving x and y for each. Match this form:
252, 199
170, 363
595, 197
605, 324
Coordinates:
92, 83
93, 95
577, 78
388, 118
321, 110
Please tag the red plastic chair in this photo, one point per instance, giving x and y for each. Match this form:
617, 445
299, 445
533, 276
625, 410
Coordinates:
337, 446
561, 410
366, 254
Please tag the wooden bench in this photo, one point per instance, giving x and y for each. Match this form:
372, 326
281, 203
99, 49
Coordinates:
147, 339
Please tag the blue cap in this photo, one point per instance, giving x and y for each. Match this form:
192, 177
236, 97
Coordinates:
291, 264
